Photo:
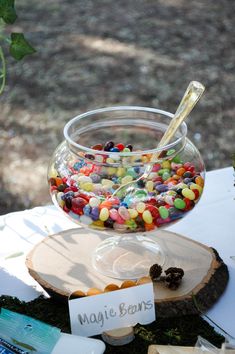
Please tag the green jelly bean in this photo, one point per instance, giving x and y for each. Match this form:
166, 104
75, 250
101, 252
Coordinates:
131, 172
170, 152
141, 194
164, 213
179, 203
177, 159
163, 170
165, 176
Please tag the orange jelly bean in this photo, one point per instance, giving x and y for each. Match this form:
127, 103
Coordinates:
180, 171
199, 180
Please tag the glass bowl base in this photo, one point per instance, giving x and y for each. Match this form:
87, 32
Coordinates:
127, 257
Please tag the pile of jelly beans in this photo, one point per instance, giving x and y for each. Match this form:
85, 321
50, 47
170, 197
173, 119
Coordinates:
88, 192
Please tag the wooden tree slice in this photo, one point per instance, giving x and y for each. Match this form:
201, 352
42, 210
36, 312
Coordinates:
61, 264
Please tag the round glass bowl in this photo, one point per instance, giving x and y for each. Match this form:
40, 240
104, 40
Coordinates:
112, 147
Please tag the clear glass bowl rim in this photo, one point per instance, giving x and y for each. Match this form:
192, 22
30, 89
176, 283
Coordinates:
123, 108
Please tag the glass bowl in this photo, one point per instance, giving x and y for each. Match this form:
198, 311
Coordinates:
112, 147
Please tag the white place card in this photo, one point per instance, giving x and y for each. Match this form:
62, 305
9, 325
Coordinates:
93, 315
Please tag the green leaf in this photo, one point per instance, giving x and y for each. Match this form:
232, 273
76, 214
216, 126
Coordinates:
19, 46
7, 11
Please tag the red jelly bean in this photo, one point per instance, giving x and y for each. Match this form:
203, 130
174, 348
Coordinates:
120, 146
78, 205
153, 210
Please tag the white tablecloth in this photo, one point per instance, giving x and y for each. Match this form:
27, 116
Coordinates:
212, 222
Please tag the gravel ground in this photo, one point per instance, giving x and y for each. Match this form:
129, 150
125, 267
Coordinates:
93, 54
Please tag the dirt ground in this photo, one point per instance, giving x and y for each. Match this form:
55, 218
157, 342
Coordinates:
99, 53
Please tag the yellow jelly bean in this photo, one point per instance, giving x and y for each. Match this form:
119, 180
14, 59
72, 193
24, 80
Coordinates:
166, 164
149, 186
196, 186
140, 207
188, 193
121, 171
59, 200
111, 171
104, 214
109, 160
98, 223
147, 217
88, 186
126, 179
107, 182
52, 172
133, 213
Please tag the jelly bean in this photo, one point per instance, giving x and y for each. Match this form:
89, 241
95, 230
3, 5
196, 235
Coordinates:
188, 193
140, 194
153, 209
87, 210
60, 200
133, 213
99, 224
169, 199
108, 145
179, 203
126, 179
164, 213
120, 220
84, 179
196, 186
111, 171
166, 164
126, 149
107, 182
94, 202
180, 171
97, 147
120, 146
106, 204
99, 158
177, 159
104, 214
123, 212
131, 172
131, 224
95, 212
170, 152
140, 207
147, 217
187, 174
196, 192
163, 170
149, 227
114, 149
149, 186
78, 205
74, 215
199, 180
113, 213
130, 147
88, 186
109, 223
156, 167
86, 220
121, 171
161, 188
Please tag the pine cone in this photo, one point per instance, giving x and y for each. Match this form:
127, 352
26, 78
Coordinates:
155, 271
173, 277
175, 270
